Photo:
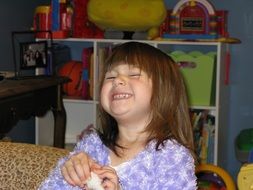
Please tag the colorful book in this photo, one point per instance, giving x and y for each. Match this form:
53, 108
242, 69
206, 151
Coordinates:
91, 76
55, 15
86, 54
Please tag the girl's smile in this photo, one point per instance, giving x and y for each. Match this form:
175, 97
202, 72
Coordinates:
120, 96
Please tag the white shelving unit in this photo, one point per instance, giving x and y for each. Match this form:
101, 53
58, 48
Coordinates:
81, 113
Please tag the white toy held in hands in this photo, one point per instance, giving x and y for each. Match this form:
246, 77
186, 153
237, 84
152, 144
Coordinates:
94, 182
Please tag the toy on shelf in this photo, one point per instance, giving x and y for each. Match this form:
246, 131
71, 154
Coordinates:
42, 20
73, 70
57, 17
130, 16
82, 26
198, 72
195, 20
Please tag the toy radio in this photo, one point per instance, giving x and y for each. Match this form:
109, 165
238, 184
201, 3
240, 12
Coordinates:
195, 19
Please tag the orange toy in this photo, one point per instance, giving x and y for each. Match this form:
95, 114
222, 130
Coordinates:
73, 70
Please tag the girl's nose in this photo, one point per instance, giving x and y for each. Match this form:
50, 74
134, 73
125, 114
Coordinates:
118, 81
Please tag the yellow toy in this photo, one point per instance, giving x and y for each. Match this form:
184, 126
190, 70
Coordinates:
245, 177
227, 179
128, 15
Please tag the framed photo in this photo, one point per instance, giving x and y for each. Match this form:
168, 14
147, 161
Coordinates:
33, 54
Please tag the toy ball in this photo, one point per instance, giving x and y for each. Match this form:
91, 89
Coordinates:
73, 70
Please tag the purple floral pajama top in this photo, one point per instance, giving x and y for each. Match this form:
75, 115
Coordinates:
171, 168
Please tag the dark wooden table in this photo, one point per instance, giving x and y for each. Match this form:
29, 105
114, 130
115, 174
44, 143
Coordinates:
21, 99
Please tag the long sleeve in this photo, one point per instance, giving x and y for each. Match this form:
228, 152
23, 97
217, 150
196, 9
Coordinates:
92, 145
55, 180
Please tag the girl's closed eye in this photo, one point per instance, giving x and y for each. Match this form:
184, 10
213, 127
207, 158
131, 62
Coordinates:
135, 75
134, 72
109, 77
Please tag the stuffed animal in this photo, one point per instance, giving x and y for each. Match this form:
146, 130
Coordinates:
128, 15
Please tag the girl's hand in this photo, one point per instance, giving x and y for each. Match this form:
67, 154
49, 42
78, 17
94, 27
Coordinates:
110, 178
77, 169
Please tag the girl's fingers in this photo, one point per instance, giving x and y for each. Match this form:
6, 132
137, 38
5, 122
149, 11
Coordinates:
66, 176
111, 180
70, 175
106, 169
108, 172
80, 169
108, 185
94, 165
77, 169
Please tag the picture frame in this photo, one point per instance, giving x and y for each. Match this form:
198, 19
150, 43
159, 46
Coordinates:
33, 55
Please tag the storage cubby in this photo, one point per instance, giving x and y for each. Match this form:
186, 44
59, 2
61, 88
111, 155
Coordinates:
81, 113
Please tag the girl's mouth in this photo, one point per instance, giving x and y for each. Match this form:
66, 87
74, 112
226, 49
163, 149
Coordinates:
121, 96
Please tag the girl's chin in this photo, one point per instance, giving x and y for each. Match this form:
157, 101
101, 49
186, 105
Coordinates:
119, 113
119, 108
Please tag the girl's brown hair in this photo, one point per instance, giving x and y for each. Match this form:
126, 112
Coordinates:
170, 112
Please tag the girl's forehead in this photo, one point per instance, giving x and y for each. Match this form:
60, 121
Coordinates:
123, 63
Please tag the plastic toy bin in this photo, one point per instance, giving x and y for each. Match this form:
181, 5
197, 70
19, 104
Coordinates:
198, 70
244, 145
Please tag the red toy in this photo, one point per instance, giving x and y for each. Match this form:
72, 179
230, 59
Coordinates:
195, 19
73, 70
57, 17
82, 27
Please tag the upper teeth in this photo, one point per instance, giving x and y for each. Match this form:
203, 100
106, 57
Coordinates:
121, 96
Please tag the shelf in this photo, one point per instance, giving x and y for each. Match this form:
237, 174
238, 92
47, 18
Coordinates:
163, 41
211, 108
78, 100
